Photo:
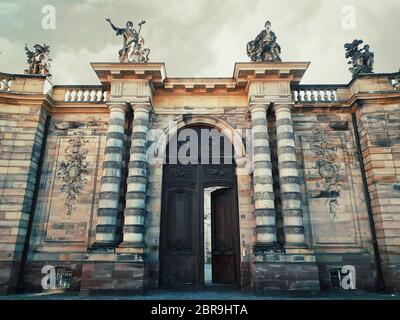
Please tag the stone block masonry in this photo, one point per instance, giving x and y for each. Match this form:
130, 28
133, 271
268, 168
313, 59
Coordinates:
307, 206
379, 127
112, 277
22, 125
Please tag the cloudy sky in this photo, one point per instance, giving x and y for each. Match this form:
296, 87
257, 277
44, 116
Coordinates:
201, 37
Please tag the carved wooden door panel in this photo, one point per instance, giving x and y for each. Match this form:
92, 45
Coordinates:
222, 237
179, 250
180, 221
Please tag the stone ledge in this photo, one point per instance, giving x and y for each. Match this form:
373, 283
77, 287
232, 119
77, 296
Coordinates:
129, 250
283, 258
286, 276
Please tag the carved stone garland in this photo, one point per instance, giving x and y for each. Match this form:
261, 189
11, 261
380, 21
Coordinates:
326, 155
73, 170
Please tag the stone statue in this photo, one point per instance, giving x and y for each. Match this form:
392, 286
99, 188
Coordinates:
362, 60
38, 60
132, 48
264, 47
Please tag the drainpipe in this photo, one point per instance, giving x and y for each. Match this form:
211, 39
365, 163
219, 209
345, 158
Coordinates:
381, 281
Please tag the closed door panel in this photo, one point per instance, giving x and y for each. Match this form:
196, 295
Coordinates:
179, 251
222, 237
182, 229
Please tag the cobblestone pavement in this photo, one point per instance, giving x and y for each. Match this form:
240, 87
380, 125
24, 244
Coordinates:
207, 295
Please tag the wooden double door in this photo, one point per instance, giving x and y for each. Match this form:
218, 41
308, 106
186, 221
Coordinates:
182, 226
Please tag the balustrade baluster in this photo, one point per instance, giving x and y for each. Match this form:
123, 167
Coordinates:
317, 94
303, 96
326, 97
332, 95
312, 95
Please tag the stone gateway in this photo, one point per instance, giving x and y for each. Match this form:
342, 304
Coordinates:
253, 182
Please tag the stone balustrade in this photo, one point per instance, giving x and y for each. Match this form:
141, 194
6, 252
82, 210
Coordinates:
85, 94
317, 93
396, 82
5, 84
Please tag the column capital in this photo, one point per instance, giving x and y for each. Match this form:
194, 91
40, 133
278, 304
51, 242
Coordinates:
146, 107
258, 107
121, 106
282, 106
259, 99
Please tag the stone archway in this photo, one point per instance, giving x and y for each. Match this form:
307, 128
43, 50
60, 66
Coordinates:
234, 137
182, 218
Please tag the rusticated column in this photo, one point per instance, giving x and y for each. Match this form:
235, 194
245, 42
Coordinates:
107, 221
262, 178
289, 177
135, 209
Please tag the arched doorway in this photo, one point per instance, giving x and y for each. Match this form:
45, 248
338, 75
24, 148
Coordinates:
199, 159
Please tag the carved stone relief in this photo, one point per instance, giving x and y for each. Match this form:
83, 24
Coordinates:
334, 200
328, 170
73, 170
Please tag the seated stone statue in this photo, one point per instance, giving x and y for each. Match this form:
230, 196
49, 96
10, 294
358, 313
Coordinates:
362, 60
264, 47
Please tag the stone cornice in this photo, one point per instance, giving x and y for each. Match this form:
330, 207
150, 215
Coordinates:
243, 74
205, 85
378, 97
83, 109
109, 71
246, 72
140, 83
18, 75
17, 98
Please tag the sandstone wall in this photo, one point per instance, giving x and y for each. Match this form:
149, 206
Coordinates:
379, 130
336, 220
60, 238
22, 126
334, 197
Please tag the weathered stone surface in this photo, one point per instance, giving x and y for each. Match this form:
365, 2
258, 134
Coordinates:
318, 181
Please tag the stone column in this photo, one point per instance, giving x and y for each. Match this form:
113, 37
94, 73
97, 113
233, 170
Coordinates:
262, 178
289, 177
135, 209
107, 221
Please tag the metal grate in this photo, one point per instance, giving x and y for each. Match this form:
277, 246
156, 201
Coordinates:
335, 276
63, 277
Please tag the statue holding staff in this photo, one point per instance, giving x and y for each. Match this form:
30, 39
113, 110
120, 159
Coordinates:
132, 47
